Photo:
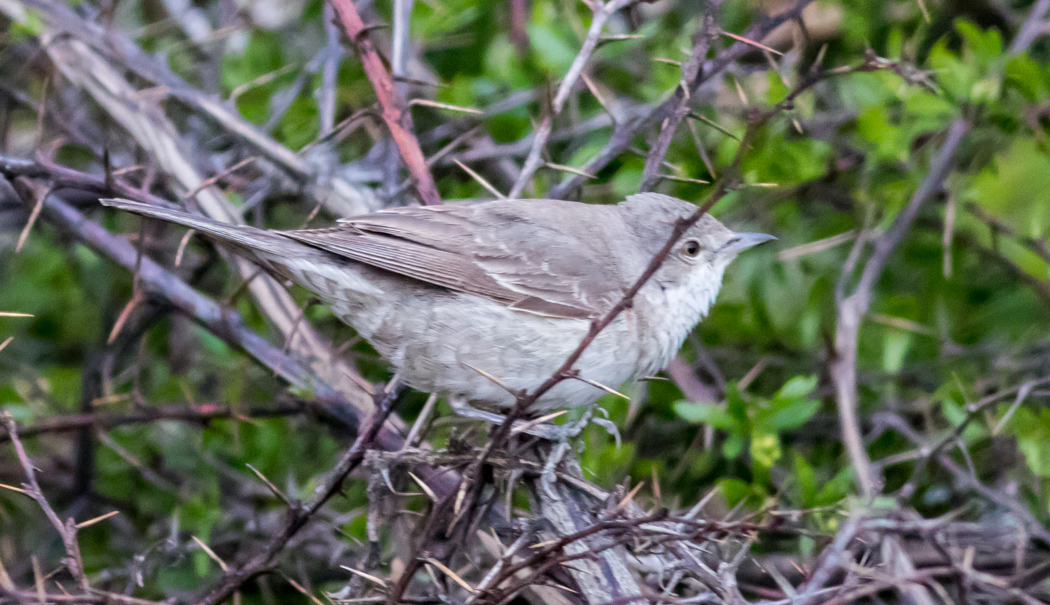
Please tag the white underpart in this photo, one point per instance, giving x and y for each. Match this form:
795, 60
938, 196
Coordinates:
683, 307
433, 336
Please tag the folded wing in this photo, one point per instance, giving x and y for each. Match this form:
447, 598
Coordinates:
518, 253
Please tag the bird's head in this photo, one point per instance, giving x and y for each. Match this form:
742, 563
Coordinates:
692, 272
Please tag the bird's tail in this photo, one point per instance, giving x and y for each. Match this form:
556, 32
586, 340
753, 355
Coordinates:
242, 238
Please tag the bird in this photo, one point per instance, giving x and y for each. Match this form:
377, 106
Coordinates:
480, 302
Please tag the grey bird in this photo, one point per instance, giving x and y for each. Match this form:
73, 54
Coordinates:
474, 301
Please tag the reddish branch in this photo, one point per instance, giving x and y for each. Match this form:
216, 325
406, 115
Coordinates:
394, 111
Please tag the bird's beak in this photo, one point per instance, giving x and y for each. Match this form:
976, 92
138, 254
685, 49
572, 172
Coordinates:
742, 241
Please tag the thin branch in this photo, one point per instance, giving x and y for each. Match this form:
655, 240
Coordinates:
602, 13
1033, 27
852, 308
300, 514
201, 413
624, 134
65, 529
394, 111
690, 72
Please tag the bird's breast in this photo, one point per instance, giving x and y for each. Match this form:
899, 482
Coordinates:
670, 312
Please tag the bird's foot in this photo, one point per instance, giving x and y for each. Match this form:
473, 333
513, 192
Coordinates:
549, 432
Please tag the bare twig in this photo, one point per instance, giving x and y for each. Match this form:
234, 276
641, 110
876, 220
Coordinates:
1033, 27
625, 133
852, 308
394, 112
300, 514
602, 13
66, 529
201, 413
690, 72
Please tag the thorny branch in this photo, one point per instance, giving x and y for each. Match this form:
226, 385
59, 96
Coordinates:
602, 13
394, 111
624, 134
298, 513
690, 73
674, 552
67, 529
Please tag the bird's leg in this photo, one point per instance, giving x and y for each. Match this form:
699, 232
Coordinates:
607, 424
549, 476
544, 431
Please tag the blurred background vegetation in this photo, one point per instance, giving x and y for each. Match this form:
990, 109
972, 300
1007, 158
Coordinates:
961, 311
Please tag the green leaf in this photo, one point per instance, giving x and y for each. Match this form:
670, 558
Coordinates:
550, 49
705, 413
790, 414
735, 490
1032, 430
737, 407
734, 446
797, 388
836, 489
895, 346
985, 45
806, 480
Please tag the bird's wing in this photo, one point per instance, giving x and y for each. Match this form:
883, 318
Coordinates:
490, 249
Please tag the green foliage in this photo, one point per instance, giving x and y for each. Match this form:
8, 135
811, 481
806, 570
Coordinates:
756, 421
961, 311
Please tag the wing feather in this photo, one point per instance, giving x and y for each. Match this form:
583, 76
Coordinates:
487, 249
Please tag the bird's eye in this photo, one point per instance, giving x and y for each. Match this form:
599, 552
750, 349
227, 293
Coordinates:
691, 248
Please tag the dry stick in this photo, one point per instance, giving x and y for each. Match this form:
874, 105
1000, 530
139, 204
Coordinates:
394, 111
120, 48
329, 73
973, 410
67, 530
829, 562
690, 71
544, 558
625, 133
154, 131
1031, 29
201, 413
852, 308
996, 496
602, 13
117, 45
299, 514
